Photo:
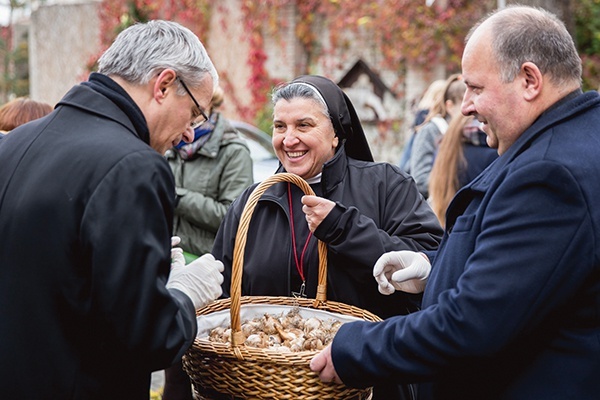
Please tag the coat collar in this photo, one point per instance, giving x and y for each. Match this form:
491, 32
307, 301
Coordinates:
334, 171
87, 99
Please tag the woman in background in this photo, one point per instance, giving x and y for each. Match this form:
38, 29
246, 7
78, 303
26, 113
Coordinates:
429, 134
209, 174
19, 111
463, 153
429, 98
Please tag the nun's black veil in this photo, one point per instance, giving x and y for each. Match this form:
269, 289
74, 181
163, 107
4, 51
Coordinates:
343, 116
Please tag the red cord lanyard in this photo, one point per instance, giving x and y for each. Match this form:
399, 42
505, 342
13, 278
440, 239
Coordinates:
299, 263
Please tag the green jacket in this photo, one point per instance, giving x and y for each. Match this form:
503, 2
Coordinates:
207, 184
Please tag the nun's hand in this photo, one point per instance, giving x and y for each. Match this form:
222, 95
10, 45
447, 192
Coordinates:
316, 209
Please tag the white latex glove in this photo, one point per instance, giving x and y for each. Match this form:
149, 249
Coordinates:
401, 270
177, 258
201, 279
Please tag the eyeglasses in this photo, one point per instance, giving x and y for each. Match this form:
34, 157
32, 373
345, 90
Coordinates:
199, 114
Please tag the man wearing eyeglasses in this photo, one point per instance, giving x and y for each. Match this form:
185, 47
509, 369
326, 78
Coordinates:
92, 297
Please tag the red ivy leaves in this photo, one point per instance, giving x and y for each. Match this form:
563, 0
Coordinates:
403, 31
116, 15
258, 83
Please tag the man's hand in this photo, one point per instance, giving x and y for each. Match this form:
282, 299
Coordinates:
323, 365
316, 209
401, 270
200, 280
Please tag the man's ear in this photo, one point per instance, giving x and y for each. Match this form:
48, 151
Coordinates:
164, 84
533, 80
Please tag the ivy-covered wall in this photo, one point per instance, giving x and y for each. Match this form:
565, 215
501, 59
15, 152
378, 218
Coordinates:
256, 44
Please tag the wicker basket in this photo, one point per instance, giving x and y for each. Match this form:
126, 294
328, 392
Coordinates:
231, 371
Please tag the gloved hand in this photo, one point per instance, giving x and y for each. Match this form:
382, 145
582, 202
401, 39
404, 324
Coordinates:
200, 280
177, 257
401, 270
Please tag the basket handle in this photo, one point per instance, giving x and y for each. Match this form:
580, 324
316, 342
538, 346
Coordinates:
237, 337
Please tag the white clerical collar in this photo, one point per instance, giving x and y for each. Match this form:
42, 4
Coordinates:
314, 179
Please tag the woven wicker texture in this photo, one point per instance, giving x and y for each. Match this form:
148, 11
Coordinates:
237, 371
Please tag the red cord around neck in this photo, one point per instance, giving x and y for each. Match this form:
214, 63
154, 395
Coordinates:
299, 263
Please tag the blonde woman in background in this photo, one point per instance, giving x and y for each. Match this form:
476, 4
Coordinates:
430, 132
463, 153
429, 98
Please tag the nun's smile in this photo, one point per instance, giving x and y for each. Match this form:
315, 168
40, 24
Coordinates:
296, 154
303, 136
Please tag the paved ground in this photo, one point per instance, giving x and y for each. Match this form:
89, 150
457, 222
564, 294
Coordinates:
158, 381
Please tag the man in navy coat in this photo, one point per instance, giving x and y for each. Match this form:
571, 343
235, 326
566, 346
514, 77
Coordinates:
511, 307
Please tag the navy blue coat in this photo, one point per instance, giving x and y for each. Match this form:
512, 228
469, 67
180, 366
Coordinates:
86, 213
512, 305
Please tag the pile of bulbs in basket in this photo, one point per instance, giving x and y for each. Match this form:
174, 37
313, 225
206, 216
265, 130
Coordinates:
287, 332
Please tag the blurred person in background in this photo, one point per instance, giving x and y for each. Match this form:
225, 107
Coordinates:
19, 111
462, 155
429, 98
431, 131
92, 297
210, 172
361, 210
511, 308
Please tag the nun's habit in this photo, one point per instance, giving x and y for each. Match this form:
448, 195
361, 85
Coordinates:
377, 209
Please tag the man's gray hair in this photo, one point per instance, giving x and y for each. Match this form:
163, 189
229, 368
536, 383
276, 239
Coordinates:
145, 49
528, 34
292, 90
